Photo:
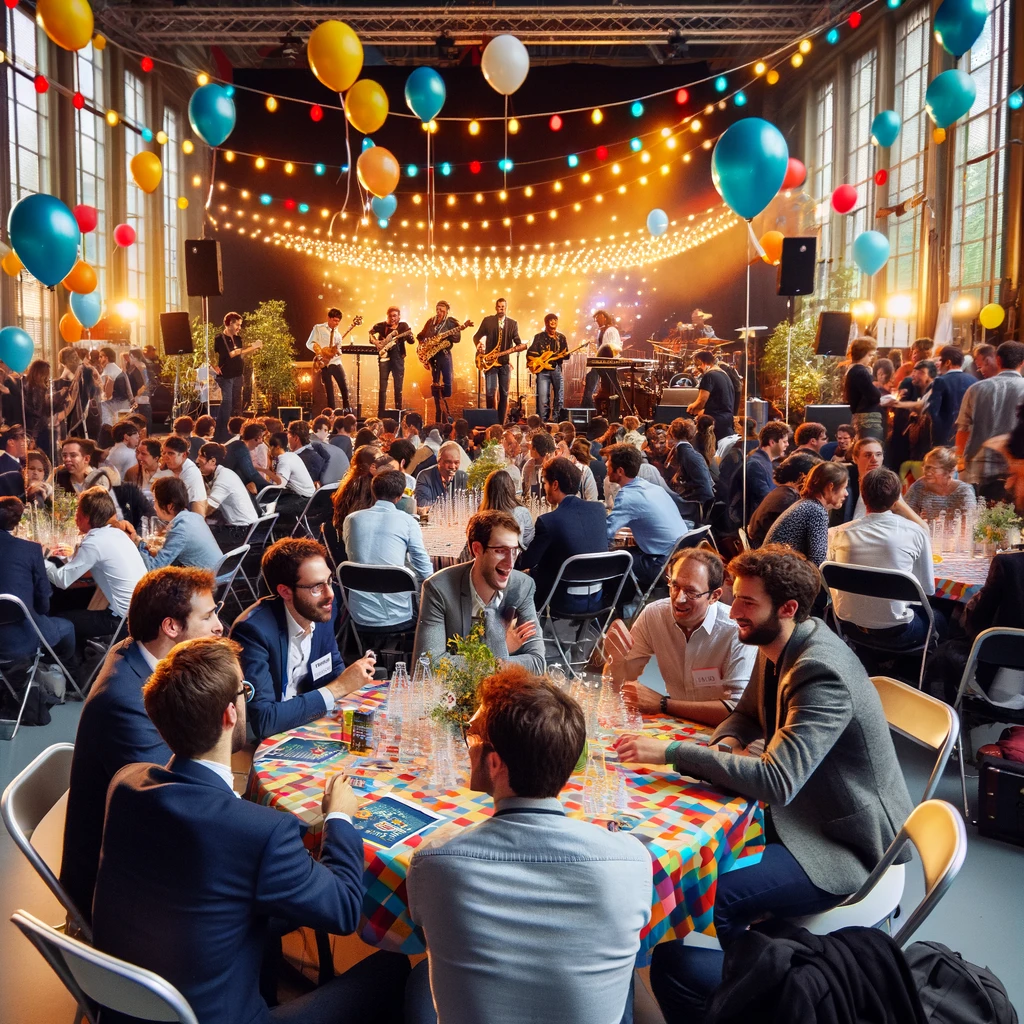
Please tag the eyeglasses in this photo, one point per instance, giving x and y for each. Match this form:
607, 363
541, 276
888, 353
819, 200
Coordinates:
688, 595
247, 690
315, 589
504, 551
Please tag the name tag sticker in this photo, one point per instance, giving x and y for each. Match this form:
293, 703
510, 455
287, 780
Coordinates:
321, 667
707, 676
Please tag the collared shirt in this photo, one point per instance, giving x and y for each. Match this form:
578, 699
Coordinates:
114, 561
886, 540
222, 771
323, 336
190, 477
651, 514
148, 657
188, 542
294, 475
990, 408
299, 643
713, 647
229, 497
478, 602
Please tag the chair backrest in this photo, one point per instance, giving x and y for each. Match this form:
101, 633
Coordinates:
697, 536
260, 531
869, 581
226, 568
1000, 646
921, 717
28, 798
377, 579
593, 568
267, 497
14, 612
108, 981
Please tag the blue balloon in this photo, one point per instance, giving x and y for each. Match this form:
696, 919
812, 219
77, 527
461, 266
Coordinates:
425, 93
870, 251
657, 222
16, 349
45, 235
749, 164
384, 208
958, 23
211, 112
87, 308
368, 143
885, 128
949, 96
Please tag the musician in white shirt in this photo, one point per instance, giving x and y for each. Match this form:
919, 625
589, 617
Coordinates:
609, 344
327, 335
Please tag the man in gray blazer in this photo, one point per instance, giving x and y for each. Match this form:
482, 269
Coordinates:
486, 589
828, 774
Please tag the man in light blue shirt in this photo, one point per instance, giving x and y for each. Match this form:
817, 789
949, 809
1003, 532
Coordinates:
646, 509
188, 540
530, 917
384, 535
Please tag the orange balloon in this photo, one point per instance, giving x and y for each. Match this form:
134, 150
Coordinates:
771, 242
70, 328
11, 264
81, 279
378, 171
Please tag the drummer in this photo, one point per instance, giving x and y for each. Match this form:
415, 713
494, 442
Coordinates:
701, 327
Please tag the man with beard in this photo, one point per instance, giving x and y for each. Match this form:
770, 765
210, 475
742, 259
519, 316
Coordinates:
828, 771
295, 668
190, 876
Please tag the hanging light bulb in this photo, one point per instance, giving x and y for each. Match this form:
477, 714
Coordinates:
805, 46
760, 67
474, 127
597, 115
772, 77
513, 126
271, 104
796, 60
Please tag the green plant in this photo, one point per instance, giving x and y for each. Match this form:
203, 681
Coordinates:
459, 674
995, 522
273, 364
491, 457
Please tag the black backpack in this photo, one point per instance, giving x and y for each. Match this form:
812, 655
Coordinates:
953, 991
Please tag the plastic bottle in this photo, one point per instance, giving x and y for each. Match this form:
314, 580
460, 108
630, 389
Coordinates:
396, 723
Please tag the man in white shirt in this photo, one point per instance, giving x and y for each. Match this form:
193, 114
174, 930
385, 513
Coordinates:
697, 646
122, 456
116, 390
175, 460
328, 335
228, 503
384, 535
290, 473
609, 344
889, 541
111, 557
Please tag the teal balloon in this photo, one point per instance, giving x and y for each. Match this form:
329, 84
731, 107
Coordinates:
885, 128
87, 308
368, 143
45, 235
425, 93
949, 96
16, 349
211, 112
384, 208
749, 164
870, 251
958, 23
657, 222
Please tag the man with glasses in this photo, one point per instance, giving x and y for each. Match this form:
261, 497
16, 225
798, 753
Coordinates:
486, 590
697, 646
294, 666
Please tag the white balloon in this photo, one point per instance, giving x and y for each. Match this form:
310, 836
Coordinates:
505, 63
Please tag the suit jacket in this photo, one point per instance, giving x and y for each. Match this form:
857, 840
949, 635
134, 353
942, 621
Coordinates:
263, 633
488, 330
23, 574
429, 487
575, 527
336, 462
113, 730
314, 462
12, 479
239, 460
190, 876
829, 771
344, 442
946, 394
446, 610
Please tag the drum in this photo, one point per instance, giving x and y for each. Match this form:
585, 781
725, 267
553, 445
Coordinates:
647, 399
683, 380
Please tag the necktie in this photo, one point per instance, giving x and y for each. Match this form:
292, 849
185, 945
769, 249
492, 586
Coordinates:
501, 323
332, 338
494, 633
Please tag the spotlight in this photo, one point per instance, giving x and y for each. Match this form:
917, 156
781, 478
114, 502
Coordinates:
446, 48
678, 47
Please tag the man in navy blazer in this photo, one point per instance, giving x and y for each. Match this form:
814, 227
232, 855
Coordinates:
169, 605
23, 574
190, 875
289, 644
575, 527
946, 394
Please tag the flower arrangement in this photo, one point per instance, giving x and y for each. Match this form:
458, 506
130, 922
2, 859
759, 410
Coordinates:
458, 675
996, 523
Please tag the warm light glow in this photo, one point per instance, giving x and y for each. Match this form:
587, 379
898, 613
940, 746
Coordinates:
271, 104
417, 199
645, 157
479, 197
772, 77
965, 308
528, 191
187, 147
899, 306
805, 46
513, 126
503, 195
577, 207
666, 132
197, 180
530, 218
760, 67
474, 127
597, 116
260, 163
553, 214
663, 168
161, 137
616, 169
112, 118
558, 186
863, 311
451, 200
203, 78
706, 144
686, 158
585, 178
289, 168
796, 60
671, 144
695, 125
127, 310
229, 155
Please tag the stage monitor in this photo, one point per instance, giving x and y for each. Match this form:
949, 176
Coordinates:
833, 337
176, 334
480, 417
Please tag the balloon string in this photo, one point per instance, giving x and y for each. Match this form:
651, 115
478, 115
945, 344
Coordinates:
755, 240
348, 156
746, 379
209, 193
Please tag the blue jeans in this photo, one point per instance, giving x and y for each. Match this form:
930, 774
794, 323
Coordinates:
549, 383
230, 398
683, 977
496, 380
899, 638
441, 379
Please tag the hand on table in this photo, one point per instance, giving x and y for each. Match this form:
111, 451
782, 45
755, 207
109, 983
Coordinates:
518, 633
618, 641
647, 701
641, 749
358, 674
339, 796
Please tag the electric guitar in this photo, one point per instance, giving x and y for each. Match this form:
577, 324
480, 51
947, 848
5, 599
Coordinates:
548, 359
435, 344
323, 354
389, 341
489, 360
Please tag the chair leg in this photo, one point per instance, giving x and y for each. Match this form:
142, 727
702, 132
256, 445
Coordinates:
30, 678
963, 780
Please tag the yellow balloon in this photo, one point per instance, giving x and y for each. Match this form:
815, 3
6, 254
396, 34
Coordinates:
147, 170
335, 55
67, 22
771, 242
70, 328
939, 135
99, 42
378, 171
81, 278
366, 106
182, 202
991, 316
11, 264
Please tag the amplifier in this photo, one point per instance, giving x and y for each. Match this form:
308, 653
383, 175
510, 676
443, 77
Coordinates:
679, 396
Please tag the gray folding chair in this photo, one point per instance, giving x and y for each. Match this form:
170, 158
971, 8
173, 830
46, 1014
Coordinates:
102, 646
694, 539
98, 980
29, 797
259, 535
267, 498
224, 573
378, 579
317, 509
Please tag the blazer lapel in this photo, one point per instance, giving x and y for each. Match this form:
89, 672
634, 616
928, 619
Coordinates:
789, 655
466, 601
282, 644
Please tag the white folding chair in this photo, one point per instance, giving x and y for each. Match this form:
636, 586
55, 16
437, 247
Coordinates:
259, 535
98, 980
319, 505
224, 573
267, 498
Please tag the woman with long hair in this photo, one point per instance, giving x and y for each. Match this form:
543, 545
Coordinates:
580, 455
500, 494
706, 442
804, 526
353, 492
38, 485
38, 403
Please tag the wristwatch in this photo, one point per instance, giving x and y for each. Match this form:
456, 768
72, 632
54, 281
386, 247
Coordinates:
663, 706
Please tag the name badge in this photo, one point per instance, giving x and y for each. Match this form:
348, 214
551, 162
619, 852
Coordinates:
707, 676
321, 667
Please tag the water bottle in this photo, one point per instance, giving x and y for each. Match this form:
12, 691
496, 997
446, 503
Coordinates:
594, 781
396, 720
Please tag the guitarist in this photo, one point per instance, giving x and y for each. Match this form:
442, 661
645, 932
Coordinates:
549, 382
497, 332
441, 364
392, 362
327, 336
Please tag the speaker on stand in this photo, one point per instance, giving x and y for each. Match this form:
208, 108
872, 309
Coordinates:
796, 277
204, 276
177, 338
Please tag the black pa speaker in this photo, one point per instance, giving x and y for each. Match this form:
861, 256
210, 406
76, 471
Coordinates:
392, 414
833, 337
203, 272
176, 334
796, 268
831, 417
480, 417
579, 416
289, 413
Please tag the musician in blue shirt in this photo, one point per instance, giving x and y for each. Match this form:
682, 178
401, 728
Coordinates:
392, 362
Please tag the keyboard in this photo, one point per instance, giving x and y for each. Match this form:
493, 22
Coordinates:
358, 350
613, 363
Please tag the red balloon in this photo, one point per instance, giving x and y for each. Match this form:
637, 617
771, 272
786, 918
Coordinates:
124, 235
796, 174
881, 177
86, 216
844, 199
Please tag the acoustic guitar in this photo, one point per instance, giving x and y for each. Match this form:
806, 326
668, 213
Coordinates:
323, 354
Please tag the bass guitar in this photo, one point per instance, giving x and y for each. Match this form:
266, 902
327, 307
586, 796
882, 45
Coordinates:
435, 344
549, 359
489, 360
389, 341
323, 354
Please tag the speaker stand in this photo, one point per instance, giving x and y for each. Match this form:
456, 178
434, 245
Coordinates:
206, 351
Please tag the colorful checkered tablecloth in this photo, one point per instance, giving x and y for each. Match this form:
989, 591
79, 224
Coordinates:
960, 577
693, 832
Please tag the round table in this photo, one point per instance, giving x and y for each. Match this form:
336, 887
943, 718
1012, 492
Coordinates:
960, 577
692, 831
444, 542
